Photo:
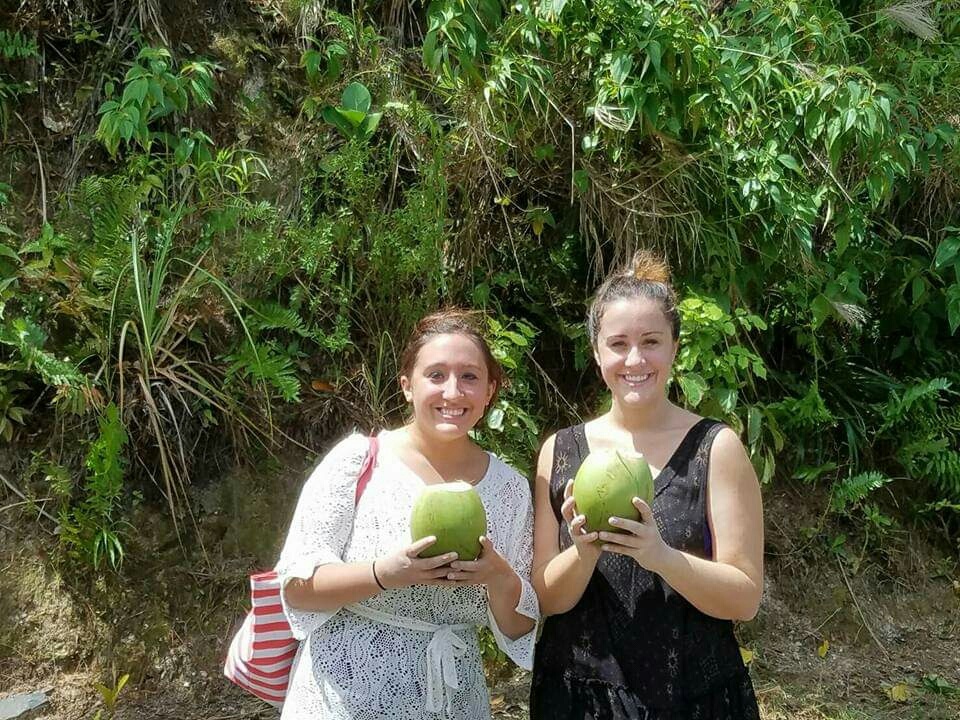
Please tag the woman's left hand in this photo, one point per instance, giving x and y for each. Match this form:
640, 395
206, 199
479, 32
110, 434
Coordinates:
490, 568
639, 539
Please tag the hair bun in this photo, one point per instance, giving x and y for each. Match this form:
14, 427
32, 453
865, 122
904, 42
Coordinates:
648, 265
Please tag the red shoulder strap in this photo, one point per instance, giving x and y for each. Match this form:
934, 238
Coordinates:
366, 469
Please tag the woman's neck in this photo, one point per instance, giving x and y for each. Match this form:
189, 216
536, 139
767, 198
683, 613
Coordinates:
438, 454
640, 418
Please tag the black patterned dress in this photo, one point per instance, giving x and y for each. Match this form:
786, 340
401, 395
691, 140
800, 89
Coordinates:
632, 648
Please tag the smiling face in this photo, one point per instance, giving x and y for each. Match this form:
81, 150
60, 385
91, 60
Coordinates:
635, 350
448, 387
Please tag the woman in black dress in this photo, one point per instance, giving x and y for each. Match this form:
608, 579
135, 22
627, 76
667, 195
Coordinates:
640, 622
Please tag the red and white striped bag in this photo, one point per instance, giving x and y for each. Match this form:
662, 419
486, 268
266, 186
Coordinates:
262, 652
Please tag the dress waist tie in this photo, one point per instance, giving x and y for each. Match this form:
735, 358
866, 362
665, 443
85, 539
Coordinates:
442, 652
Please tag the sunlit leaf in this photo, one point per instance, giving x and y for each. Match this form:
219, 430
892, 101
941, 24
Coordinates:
899, 692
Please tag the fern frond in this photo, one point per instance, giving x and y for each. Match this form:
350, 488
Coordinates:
28, 339
900, 408
932, 387
268, 365
112, 206
938, 464
16, 46
269, 315
853, 490
945, 469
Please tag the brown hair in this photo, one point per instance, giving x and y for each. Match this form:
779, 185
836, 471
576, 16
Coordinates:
648, 276
452, 321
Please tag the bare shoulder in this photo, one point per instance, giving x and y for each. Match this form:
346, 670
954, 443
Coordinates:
729, 460
546, 450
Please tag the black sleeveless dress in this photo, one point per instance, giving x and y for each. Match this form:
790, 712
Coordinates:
632, 648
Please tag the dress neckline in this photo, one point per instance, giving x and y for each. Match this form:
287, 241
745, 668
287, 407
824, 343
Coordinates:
687, 436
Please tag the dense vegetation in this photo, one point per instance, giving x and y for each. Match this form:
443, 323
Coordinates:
214, 234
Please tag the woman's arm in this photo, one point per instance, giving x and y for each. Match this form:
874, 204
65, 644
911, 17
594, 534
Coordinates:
729, 586
331, 587
337, 584
503, 596
559, 578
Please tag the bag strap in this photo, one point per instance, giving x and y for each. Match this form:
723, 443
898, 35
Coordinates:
366, 469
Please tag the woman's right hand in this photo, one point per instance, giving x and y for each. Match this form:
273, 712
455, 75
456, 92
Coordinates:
585, 543
405, 568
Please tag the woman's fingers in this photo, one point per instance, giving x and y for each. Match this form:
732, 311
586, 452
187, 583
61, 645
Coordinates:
578, 529
466, 565
646, 514
486, 547
443, 582
419, 546
435, 562
568, 490
568, 510
437, 573
631, 526
617, 549
623, 539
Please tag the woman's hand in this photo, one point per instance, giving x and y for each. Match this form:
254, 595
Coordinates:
639, 540
405, 568
489, 569
586, 543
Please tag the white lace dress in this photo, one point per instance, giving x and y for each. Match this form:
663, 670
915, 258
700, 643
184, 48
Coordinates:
353, 667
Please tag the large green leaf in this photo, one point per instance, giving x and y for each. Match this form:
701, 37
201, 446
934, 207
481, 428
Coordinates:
356, 98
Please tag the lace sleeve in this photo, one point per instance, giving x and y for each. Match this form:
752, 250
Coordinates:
321, 525
517, 548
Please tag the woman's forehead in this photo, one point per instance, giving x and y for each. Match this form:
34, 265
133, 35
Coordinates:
454, 348
632, 315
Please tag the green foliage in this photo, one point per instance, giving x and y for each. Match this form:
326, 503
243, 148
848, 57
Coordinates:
92, 528
152, 90
352, 117
11, 391
496, 664
922, 422
14, 46
795, 164
324, 64
29, 358
852, 491
511, 430
266, 364
110, 695
711, 366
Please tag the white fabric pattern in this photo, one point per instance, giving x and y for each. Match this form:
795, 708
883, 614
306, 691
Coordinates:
444, 648
424, 664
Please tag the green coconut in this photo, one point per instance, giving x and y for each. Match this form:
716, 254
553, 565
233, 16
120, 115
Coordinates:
606, 484
454, 514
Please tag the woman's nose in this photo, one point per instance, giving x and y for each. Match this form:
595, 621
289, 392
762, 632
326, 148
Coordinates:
635, 357
451, 388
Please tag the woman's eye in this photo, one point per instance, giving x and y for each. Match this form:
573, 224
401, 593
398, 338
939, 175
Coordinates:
469, 376
435, 375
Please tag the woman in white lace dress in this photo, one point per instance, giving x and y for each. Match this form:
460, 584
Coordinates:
386, 634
